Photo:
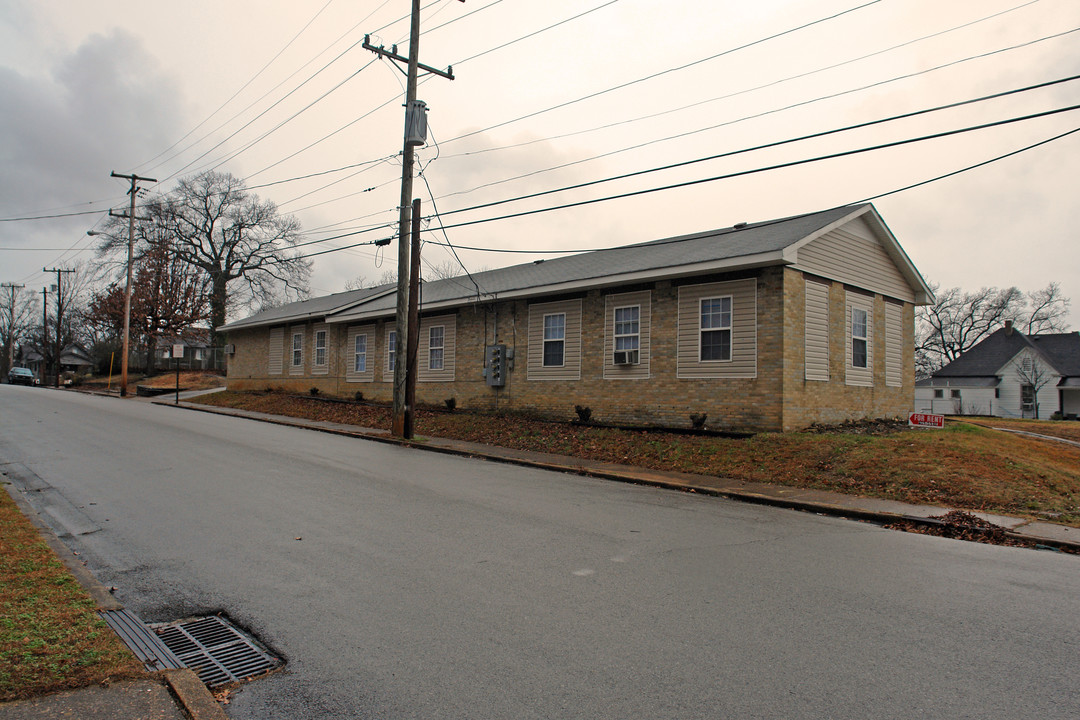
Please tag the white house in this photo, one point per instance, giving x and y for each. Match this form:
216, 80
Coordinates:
1008, 374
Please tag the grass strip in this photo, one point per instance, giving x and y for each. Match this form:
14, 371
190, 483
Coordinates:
51, 637
963, 466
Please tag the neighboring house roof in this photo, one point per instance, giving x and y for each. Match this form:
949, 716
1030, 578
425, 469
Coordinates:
774, 242
73, 354
986, 360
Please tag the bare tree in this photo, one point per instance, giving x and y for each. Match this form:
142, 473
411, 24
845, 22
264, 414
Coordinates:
18, 311
959, 320
1046, 311
1033, 375
214, 224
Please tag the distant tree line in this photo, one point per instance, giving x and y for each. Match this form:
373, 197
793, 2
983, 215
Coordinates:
960, 319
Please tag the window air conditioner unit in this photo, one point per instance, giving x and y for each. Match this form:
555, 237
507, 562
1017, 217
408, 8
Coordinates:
626, 357
230, 349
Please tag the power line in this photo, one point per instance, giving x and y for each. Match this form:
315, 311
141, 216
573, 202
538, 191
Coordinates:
243, 87
754, 116
667, 71
745, 91
537, 32
742, 173
779, 166
778, 143
871, 198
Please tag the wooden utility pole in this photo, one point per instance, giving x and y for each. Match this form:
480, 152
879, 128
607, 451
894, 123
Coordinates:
414, 324
414, 119
59, 314
127, 287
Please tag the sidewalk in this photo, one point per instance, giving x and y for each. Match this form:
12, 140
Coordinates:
817, 501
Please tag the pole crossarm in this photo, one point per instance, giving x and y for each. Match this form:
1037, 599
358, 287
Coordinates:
448, 73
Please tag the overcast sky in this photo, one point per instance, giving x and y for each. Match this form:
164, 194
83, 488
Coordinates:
166, 90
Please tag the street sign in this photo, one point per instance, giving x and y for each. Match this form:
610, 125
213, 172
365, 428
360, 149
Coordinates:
926, 420
178, 351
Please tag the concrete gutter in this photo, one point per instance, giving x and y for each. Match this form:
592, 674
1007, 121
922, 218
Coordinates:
824, 502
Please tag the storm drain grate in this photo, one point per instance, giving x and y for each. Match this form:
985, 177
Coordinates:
145, 644
216, 650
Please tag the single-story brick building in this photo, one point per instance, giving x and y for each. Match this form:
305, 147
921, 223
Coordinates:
768, 326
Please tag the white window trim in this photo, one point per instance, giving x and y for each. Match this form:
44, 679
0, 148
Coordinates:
865, 337
730, 328
325, 344
615, 335
543, 349
292, 360
441, 347
391, 351
357, 354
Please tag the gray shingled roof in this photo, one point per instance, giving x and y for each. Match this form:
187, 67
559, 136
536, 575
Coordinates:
315, 307
747, 246
650, 257
1062, 351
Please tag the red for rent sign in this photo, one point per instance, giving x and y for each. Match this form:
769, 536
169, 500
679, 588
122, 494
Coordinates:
926, 420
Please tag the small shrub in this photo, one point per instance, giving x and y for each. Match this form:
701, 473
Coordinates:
583, 413
1057, 416
698, 420
314, 391
359, 396
451, 404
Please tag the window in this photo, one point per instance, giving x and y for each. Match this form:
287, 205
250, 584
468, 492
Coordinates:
954, 394
940, 394
715, 329
436, 340
298, 349
627, 334
554, 339
858, 337
997, 393
360, 354
1026, 365
320, 347
391, 350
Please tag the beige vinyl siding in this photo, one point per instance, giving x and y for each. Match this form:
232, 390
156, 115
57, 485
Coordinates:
817, 331
296, 369
643, 301
318, 368
571, 367
368, 374
275, 361
743, 362
894, 344
449, 325
853, 255
858, 375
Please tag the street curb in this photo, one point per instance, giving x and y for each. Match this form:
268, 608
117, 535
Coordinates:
852, 513
189, 691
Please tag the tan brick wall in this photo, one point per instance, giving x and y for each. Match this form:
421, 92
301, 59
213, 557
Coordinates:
809, 401
779, 398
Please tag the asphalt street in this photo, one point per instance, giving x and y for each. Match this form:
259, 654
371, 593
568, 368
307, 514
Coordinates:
399, 583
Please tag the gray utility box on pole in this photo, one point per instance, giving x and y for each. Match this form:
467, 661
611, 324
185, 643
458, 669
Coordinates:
495, 360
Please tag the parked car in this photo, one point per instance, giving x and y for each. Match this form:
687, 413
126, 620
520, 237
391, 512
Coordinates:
22, 376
